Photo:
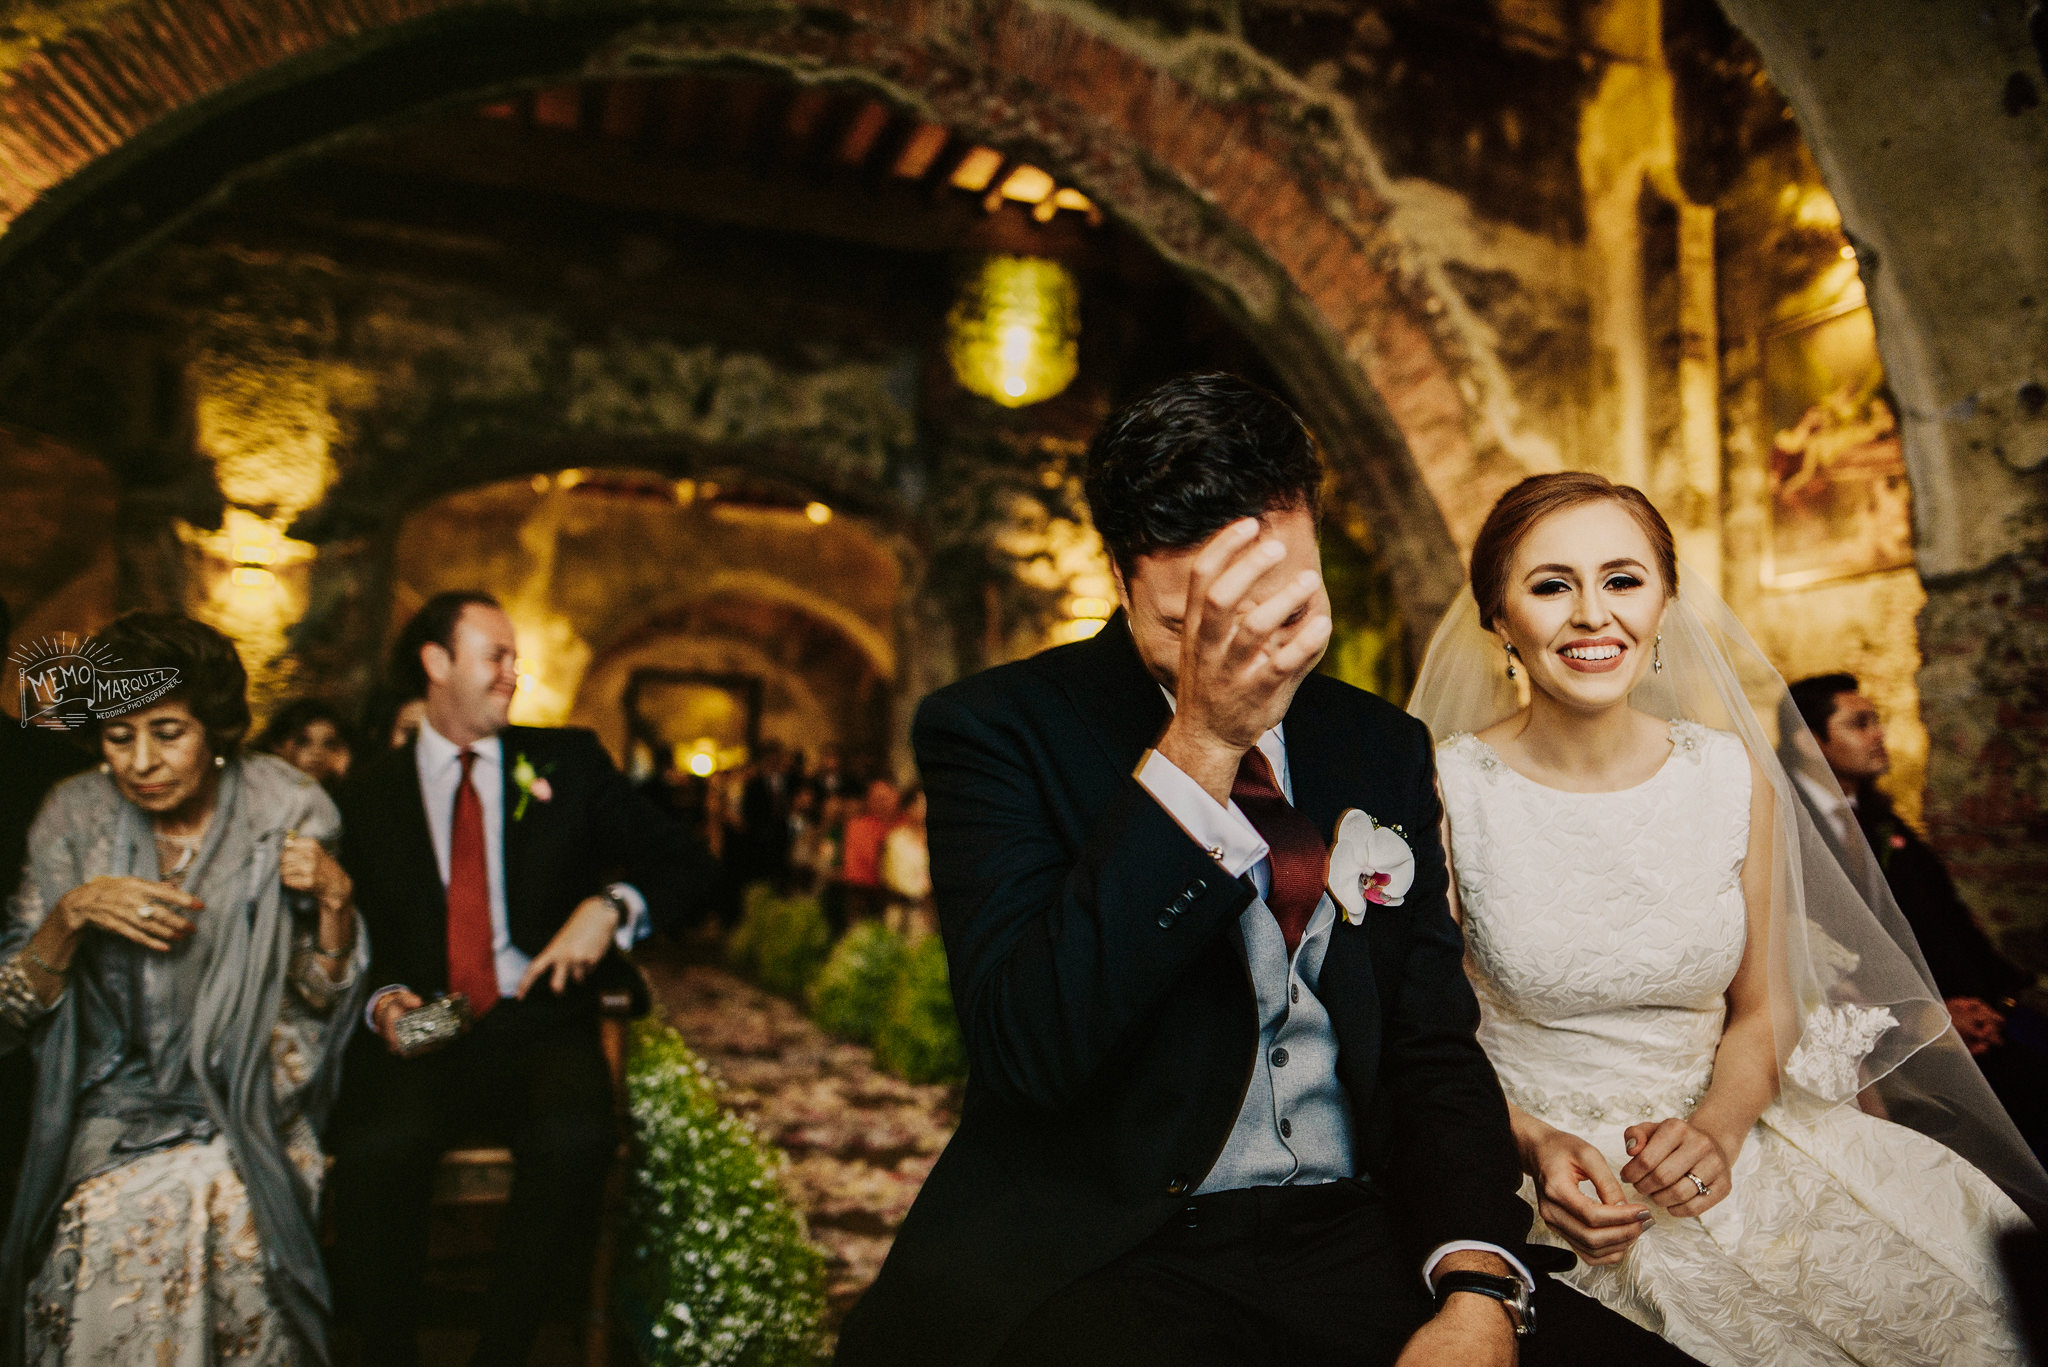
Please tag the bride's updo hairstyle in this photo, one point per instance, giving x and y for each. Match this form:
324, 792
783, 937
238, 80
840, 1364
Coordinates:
1536, 498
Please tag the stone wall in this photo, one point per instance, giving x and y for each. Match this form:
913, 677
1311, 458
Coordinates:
1473, 238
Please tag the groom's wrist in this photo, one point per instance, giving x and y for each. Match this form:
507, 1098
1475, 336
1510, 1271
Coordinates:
1208, 761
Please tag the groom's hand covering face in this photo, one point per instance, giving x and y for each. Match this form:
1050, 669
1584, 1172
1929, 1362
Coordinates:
1231, 626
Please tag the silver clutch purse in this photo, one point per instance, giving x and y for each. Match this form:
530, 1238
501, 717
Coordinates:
426, 1028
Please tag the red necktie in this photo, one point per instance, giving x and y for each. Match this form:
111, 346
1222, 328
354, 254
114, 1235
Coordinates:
1300, 859
472, 971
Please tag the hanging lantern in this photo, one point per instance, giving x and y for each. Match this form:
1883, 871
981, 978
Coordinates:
1014, 334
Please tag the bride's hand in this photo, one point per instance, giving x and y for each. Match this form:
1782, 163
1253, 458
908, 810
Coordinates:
1667, 1157
1599, 1231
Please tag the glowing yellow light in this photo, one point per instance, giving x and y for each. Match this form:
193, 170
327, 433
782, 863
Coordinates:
540, 484
703, 764
248, 577
1027, 185
1089, 607
818, 513
1848, 252
977, 169
707, 490
569, 479
525, 682
686, 491
1076, 629
1014, 334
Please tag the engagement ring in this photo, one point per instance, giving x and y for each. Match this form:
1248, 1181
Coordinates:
1704, 1188
147, 912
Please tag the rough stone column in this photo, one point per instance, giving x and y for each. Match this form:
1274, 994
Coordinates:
1945, 195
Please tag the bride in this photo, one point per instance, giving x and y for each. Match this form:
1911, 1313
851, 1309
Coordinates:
1691, 1011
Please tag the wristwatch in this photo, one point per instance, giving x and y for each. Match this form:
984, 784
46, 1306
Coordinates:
1509, 1291
618, 903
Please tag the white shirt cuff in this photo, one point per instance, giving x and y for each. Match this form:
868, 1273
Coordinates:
1444, 1251
370, 1007
633, 928
1224, 831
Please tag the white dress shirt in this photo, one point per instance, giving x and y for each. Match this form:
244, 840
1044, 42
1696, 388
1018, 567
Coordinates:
440, 768
1294, 1125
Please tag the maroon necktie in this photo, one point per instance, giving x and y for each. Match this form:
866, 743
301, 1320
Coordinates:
471, 970
1300, 858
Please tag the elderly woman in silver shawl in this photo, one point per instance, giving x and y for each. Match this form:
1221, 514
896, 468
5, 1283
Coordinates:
184, 959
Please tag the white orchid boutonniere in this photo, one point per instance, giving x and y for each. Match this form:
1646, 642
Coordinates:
1369, 863
532, 784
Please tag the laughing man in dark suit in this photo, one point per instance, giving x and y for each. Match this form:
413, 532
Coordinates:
505, 863
1208, 1118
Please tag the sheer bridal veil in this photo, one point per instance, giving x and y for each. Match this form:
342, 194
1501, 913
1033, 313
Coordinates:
1854, 1008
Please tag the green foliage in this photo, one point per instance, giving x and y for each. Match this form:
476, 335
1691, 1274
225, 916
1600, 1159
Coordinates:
920, 1036
716, 1269
781, 941
851, 995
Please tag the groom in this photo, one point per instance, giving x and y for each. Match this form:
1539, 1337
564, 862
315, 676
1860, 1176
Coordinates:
1208, 1118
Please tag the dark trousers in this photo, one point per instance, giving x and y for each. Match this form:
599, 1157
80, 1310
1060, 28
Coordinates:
1286, 1277
530, 1076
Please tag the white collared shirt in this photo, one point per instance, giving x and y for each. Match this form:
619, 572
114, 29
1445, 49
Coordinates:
1315, 1143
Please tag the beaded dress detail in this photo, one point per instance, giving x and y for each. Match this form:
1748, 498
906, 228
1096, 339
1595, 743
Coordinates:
1603, 930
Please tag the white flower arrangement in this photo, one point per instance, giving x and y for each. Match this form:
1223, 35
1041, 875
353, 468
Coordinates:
1370, 865
718, 1272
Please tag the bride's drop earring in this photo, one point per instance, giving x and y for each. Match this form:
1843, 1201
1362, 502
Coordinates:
1511, 662
1657, 654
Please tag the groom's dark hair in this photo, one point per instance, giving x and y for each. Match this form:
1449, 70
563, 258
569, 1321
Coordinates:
1178, 465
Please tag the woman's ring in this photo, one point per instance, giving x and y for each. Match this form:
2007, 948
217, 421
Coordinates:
1704, 1188
147, 911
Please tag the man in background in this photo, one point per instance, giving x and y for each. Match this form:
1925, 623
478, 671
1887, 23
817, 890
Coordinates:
1980, 986
508, 864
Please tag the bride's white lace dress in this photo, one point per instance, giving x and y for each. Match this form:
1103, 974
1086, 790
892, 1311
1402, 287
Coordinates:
1603, 930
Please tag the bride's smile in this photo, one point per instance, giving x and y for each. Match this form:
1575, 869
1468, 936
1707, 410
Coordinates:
1582, 606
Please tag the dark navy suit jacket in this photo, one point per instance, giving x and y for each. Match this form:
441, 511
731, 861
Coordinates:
1110, 1021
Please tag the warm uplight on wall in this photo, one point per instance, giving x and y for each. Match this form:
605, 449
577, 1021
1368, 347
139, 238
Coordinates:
1014, 334
818, 513
1076, 629
1089, 607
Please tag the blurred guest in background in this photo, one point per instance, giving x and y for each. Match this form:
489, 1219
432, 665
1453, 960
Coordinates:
1980, 986
32, 760
185, 959
392, 717
310, 735
508, 864
907, 869
860, 858
764, 816
806, 840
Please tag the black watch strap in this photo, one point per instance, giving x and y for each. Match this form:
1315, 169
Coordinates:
1509, 1291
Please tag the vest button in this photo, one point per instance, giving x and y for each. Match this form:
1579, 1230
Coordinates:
1287, 1129
1279, 1058
1177, 1186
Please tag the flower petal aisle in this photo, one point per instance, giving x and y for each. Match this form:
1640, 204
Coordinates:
860, 1143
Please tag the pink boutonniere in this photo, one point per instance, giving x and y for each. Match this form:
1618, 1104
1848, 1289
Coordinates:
532, 785
1898, 842
1370, 865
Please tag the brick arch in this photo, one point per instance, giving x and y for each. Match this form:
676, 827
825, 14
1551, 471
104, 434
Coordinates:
109, 136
